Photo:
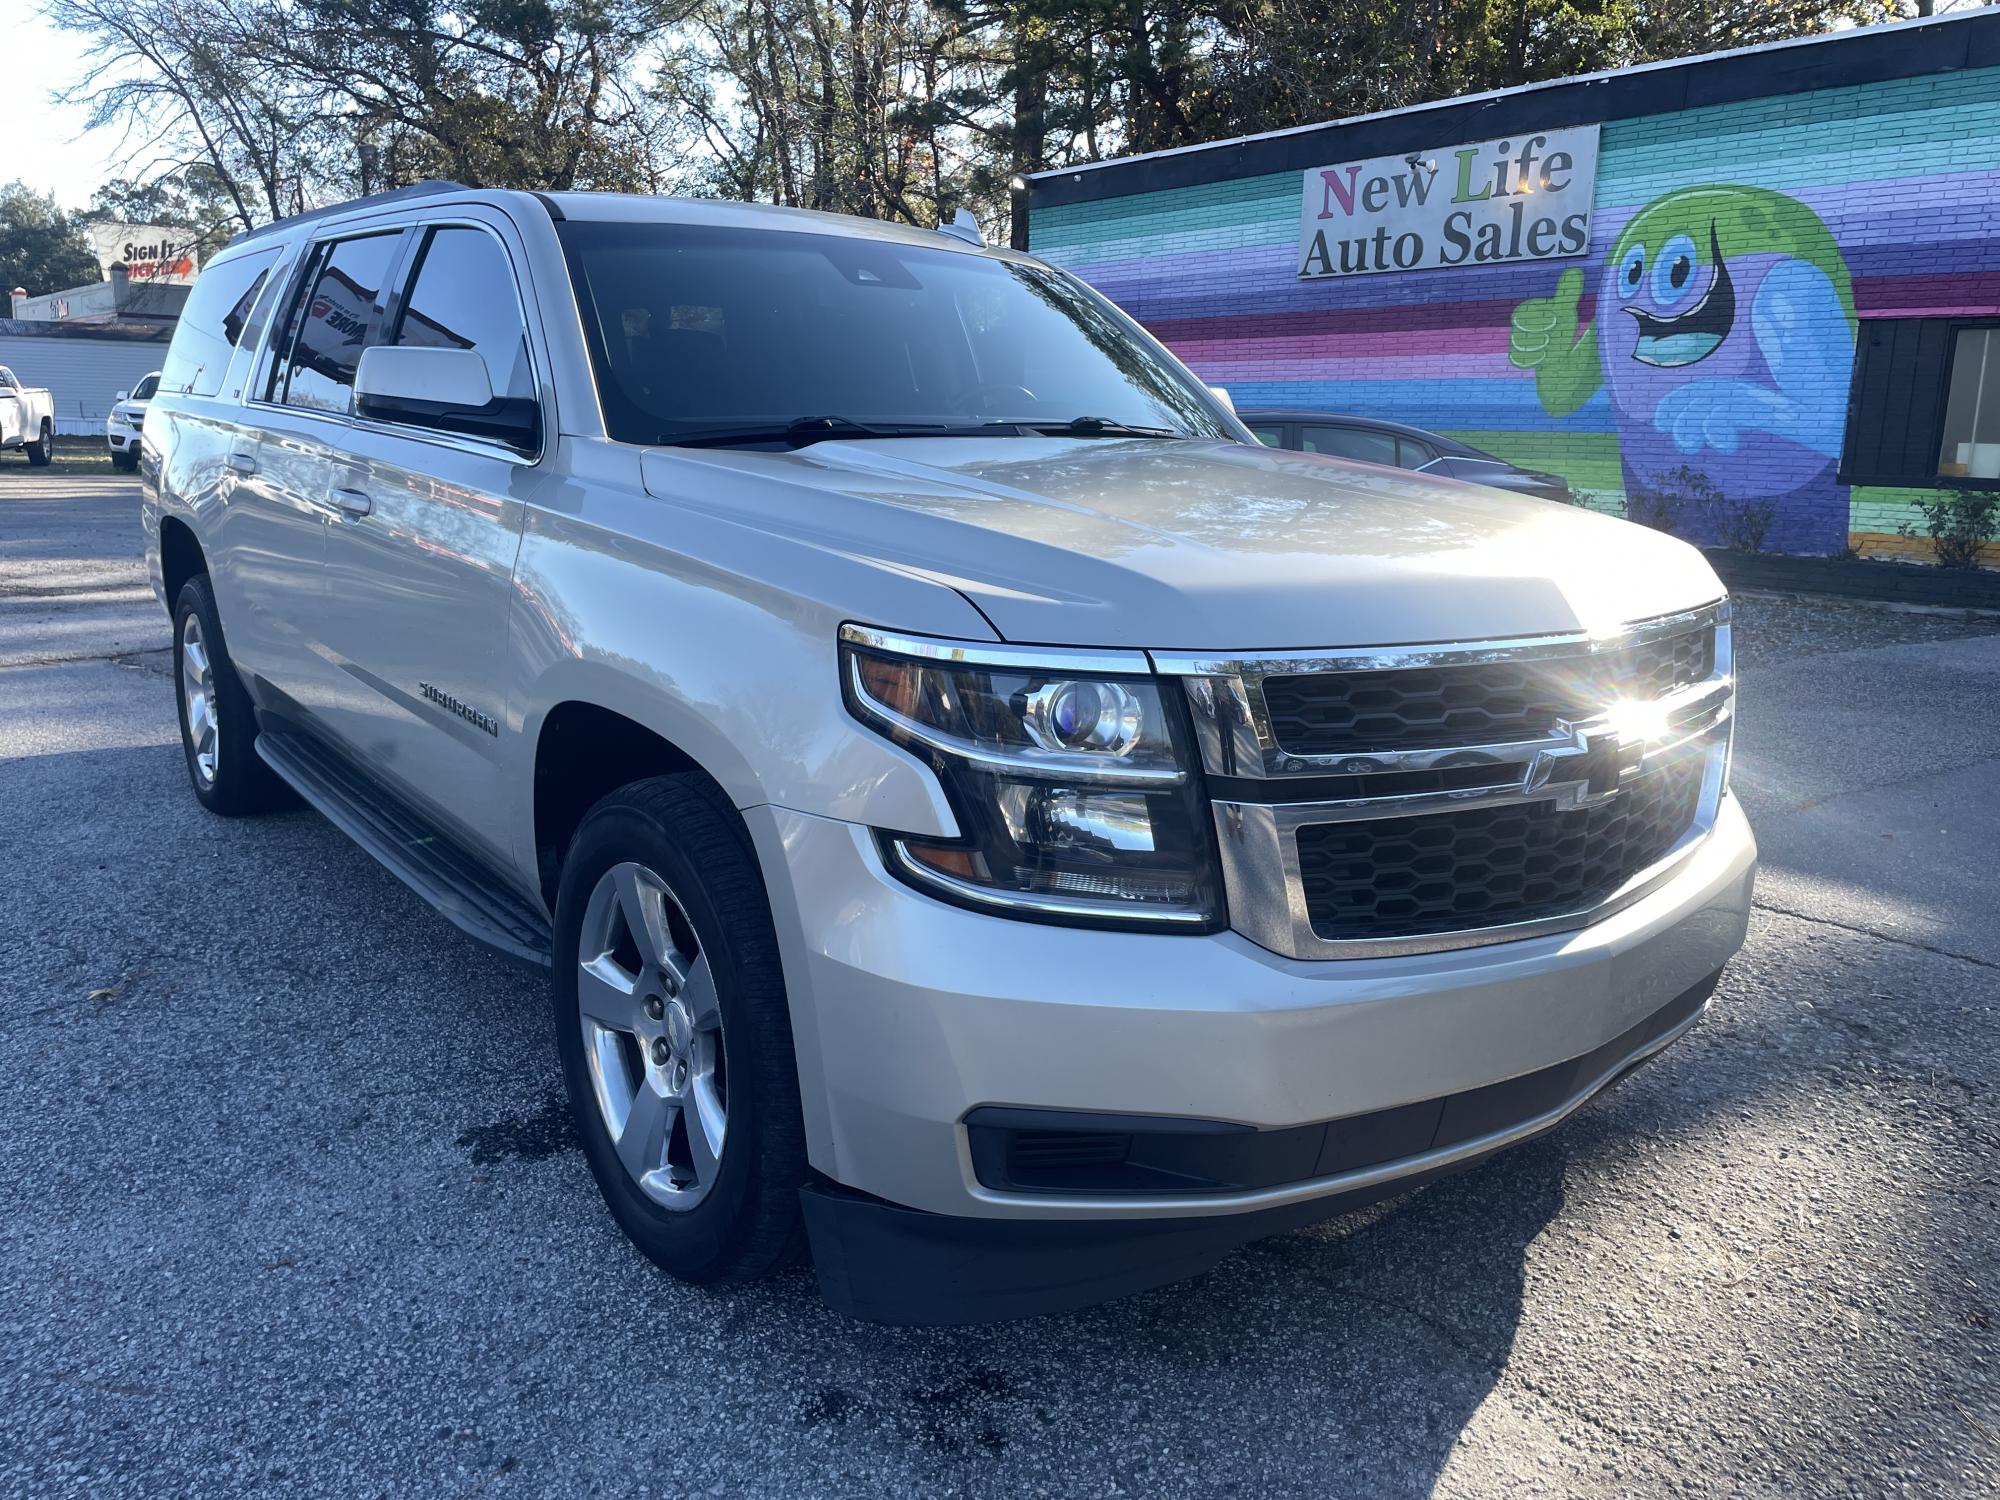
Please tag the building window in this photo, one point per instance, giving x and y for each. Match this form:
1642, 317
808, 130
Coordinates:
1924, 408
1972, 407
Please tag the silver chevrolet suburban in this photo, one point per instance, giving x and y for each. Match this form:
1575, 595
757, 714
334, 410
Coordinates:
986, 819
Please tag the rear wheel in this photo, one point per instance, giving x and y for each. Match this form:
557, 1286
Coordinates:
41, 450
675, 1033
218, 724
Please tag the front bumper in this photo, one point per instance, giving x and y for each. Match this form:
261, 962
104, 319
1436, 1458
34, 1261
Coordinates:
898, 1265
909, 1015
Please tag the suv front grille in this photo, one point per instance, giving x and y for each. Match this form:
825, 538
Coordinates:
1417, 798
1474, 703
1486, 866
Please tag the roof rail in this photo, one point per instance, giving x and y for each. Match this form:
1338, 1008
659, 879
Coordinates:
424, 189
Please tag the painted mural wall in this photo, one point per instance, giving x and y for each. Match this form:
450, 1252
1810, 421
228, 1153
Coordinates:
1692, 367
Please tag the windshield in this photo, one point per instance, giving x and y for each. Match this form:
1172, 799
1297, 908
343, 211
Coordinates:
704, 331
143, 391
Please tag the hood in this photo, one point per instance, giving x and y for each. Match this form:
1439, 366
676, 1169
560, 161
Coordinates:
1205, 546
132, 411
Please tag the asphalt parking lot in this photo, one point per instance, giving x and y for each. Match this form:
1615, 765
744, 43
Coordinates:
287, 1205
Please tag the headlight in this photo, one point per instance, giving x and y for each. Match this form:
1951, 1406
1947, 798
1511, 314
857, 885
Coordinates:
1073, 785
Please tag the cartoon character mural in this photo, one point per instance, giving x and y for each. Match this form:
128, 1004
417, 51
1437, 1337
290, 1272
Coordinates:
1724, 329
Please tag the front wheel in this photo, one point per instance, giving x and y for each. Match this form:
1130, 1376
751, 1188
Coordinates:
675, 1032
126, 462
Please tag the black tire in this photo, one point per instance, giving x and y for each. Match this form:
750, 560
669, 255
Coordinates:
241, 784
684, 830
40, 451
126, 462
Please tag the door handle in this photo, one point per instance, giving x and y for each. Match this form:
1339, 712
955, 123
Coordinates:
242, 463
353, 502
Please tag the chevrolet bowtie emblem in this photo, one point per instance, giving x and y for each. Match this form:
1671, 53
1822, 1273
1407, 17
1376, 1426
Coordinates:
1592, 763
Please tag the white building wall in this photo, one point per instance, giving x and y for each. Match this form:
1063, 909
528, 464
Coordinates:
84, 375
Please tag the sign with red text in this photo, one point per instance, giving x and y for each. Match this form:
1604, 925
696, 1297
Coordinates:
1523, 198
148, 252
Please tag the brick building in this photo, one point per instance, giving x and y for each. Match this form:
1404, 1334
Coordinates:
1754, 295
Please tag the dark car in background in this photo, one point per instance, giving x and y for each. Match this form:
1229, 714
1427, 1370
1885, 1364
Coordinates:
1374, 441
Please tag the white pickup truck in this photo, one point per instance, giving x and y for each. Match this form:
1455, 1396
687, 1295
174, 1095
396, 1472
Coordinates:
27, 418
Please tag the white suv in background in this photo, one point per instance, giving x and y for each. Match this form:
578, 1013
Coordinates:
983, 816
127, 421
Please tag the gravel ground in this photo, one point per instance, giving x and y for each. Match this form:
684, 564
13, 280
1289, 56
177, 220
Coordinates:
288, 1206
1777, 628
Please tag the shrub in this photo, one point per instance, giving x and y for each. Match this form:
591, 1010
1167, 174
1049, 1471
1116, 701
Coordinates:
1659, 509
1687, 497
1959, 523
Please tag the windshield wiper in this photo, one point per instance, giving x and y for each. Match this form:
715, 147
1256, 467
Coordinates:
807, 430
1091, 427
804, 431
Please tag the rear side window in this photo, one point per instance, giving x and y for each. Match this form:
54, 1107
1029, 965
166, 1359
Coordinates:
1351, 442
1413, 455
213, 321
1474, 469
330, 325
464, 297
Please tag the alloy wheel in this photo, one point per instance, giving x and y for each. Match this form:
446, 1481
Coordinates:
198, 697
652, 1036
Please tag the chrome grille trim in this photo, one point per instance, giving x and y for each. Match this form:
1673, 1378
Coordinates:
1259, 838
1233, 728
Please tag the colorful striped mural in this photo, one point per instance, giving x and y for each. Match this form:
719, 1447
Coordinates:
1904, 176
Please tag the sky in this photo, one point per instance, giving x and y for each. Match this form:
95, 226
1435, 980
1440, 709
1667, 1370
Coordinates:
45, 144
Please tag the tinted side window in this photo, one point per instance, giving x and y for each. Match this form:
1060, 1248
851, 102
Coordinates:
1270, 437
1351, 442
212, 322
330, 325
1412, 454
464, 298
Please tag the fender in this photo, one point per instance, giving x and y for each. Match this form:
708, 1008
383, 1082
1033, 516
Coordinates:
712, 658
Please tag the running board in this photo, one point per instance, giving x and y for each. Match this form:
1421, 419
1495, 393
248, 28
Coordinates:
429, 862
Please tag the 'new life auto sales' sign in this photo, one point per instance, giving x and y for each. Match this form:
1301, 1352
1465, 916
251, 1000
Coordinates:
1525, 198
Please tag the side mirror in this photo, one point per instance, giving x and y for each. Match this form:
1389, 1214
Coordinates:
1222, 395
123, 396
443, 390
